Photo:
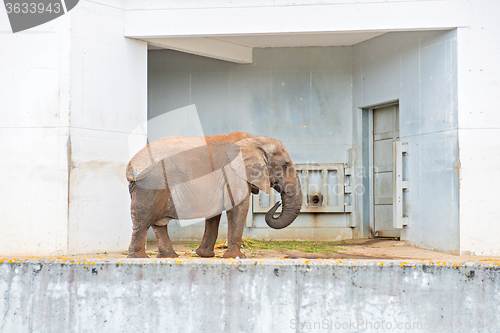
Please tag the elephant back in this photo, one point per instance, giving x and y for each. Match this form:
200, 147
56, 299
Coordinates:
149, 157
181, 159
203, 178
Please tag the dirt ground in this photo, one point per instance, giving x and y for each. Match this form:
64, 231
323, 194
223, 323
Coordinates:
348, 249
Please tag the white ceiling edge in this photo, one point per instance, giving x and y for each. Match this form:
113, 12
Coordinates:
302, 39
207, 47
297, 39
238, 48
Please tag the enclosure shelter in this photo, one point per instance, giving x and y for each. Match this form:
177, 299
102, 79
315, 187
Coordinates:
389, 110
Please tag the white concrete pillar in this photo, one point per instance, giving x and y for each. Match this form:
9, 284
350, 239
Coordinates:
34, 104
108, 100
479, 130
72, 90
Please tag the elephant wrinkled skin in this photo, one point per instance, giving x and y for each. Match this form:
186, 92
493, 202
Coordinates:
195, 177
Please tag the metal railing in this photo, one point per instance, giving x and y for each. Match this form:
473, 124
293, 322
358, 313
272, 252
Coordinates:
314, 200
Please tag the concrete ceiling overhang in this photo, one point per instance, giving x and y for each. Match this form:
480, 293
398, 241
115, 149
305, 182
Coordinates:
230, 33
239, 48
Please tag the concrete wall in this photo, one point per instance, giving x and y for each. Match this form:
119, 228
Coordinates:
71, 92
34, 121
479, 130
108, 101
225, 17
301, 96
249, 296
419, 69
83, 61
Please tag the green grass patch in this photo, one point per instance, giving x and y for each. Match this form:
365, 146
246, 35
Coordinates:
303, 246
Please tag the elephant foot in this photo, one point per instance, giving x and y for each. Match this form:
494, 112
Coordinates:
137, 255
205, 252
234, 254
171, 254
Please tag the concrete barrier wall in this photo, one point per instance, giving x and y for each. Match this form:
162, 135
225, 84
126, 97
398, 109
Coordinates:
248, 296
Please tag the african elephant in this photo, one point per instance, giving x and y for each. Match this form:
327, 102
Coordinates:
195, 177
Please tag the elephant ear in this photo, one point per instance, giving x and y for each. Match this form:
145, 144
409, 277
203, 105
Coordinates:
254, 160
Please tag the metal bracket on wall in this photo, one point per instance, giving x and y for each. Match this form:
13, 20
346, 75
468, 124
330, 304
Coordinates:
398, 184
350, 186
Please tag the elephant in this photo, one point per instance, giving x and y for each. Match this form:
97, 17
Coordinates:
183, 177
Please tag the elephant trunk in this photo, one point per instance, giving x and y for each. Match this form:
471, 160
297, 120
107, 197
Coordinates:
292, 202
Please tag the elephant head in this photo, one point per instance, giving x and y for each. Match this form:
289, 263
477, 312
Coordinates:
267, 165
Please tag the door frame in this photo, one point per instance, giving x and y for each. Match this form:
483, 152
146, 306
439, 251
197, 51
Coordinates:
371, 177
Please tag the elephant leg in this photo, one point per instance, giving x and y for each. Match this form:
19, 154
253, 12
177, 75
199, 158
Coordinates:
206, 248
236, 223
137, 248
141, 220
165, 249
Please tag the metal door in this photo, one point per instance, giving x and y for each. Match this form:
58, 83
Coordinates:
385, 132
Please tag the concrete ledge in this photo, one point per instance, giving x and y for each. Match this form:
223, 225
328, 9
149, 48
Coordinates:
216, 295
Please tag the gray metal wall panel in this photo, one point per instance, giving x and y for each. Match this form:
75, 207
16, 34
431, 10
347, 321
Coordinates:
419, 69
301, 96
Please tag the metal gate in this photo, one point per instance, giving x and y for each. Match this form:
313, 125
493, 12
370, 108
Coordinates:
326, 188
